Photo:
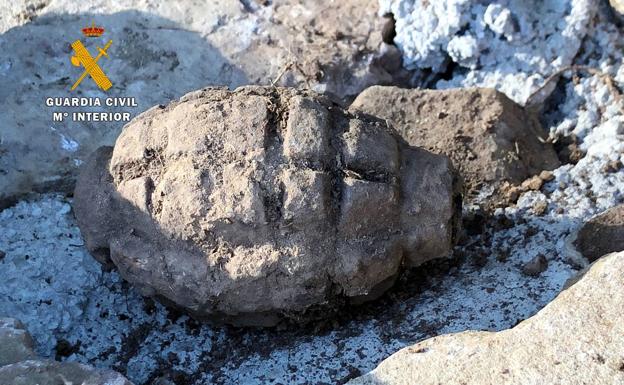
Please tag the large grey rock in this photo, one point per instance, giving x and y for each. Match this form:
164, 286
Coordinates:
489, 138
20, 366
576, 339
602, 234
160, 52
250, 204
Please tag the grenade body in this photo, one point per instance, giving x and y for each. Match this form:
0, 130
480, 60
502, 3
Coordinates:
249, 205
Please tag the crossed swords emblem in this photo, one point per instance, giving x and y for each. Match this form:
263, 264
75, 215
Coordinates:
84, 58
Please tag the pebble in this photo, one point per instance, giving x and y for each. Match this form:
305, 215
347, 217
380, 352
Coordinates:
533, 183
535, 266
65, 209
547, 175
539, 208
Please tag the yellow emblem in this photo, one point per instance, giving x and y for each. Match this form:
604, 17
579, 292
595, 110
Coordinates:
84, 58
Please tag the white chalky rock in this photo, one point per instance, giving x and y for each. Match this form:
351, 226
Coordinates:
464, 50
510, 45
500, 20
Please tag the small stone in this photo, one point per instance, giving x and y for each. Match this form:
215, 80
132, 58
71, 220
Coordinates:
65, 209
503, 255
2, 255
576, 153
511, 192
547, 175
568, 149
602, 234
500, 20
571, 154
534, 183
388, 31
539, 208
535, 266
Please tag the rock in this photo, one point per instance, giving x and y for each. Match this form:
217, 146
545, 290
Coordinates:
535, 266
47, 372
618, 6
488, 137
540, 207
547, 175
15, 342
510, 192
388, 31
534, 183
575, 339
243, 206
20, 366
568, 149
159, 53
612, 166
602, 234
389, 57
512, 46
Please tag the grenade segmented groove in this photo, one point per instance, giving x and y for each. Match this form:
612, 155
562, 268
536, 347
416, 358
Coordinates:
264, 201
